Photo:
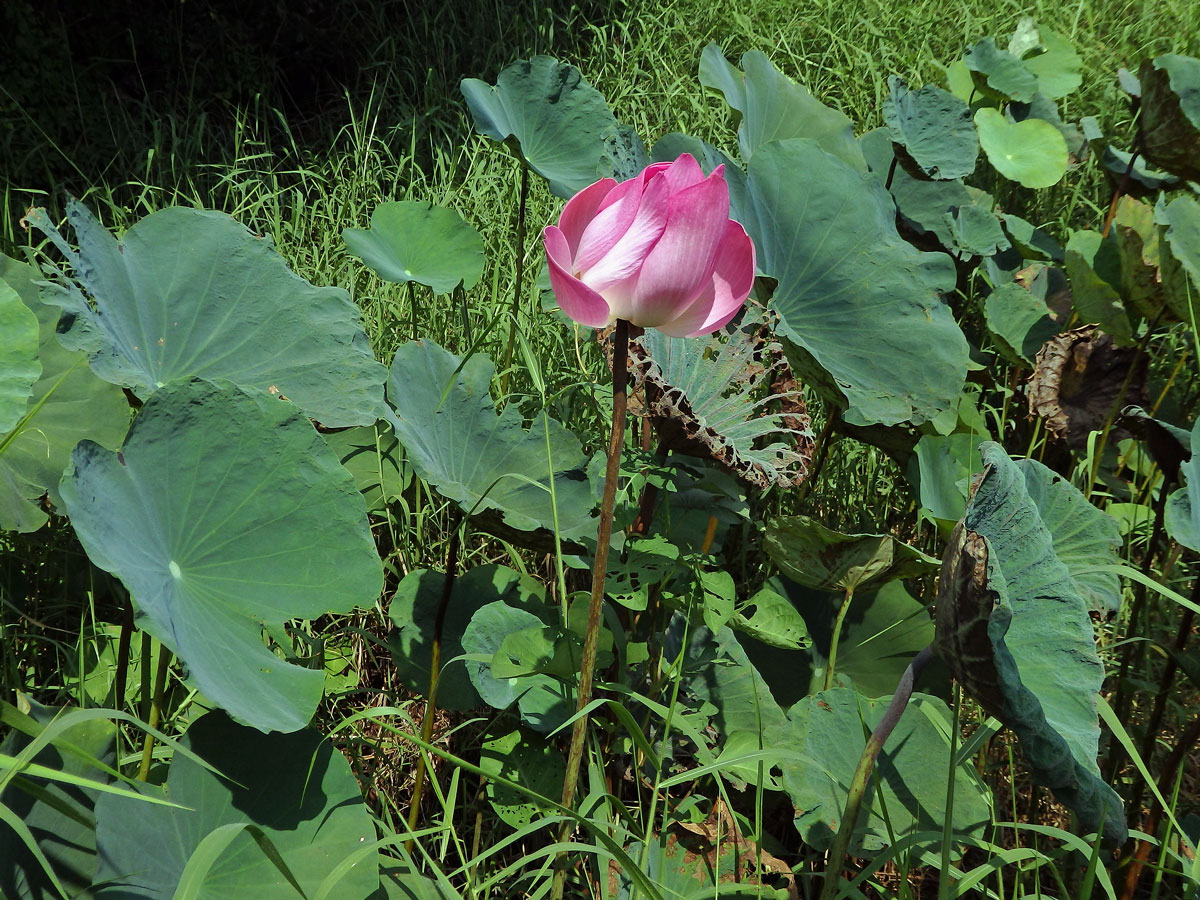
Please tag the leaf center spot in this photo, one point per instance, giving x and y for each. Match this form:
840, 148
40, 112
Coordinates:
173, 568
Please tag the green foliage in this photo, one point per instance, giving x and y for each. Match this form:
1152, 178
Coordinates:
934, 128
410, 241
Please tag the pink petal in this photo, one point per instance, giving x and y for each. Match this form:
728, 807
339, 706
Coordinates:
581, 210
650, 171
628, 254
685, 172
721, 300
577, 300
613, 217
682, 261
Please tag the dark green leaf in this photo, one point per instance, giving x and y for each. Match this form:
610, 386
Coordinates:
1019, 322
1170, 114
934, 127
998, 73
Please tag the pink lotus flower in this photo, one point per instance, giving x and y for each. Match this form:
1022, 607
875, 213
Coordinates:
658, 250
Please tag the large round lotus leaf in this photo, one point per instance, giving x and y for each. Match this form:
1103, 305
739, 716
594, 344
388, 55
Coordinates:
1032, 152
775, 108
414, 610
225, 513
295, 790
1084, 537
1183, 506
1019, 322
818, 557
881, 633
67, 405
375, 458
1015, 630
530, 762
934, 127
411, 241
560, 123
192, 293
1057, 67
997, 73
485, 462
857, 300
908, 788
923, 204
58, 818
1170, 114
19, 366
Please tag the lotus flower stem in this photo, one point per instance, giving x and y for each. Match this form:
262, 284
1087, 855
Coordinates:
160, 688
518, 275
866, 765
596, 604
831, 665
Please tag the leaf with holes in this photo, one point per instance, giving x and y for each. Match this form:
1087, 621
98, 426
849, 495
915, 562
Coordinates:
225, 513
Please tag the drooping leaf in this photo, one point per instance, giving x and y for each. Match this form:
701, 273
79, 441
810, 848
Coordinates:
857, 300
558, 122
414, 610
909, 783
1014, 629
68, 403
224, 513
999, 73
375, 458
487, 463
818, 557
977, 231
775, 108
1031, 241
1032, 152
1182, 235
529, 761
293, 794
1019, 322
1169, 445
934, 127
1152, 282
19, 365
1058, 66
60, 820
1183, 506
1170, 114
1095, 299
942, 469
413, 241
191, 293
714, 398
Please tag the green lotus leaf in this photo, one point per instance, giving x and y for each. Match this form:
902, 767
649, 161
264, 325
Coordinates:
1093, 297
818, 557
1019, 322
291, 796
412, 241
998, 73
977, 231
58, 818
1014, 628
923, 204
399, 881
561, 125
770, 617
225, 513
686, 865
775, 108
19, 365
485, 462
1183, 506
191, 293
858, 302
717, 671
908, 788
375, 458
1032, 152
530, 762
1031, 241
1182, 236
942, 469
881, 633
705, 396
1058, 67
934, 127
1151, 280
1170, 114
68, 404
413, 612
